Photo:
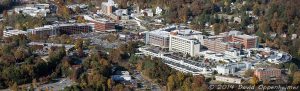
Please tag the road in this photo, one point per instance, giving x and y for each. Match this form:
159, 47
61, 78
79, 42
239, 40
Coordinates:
58, 85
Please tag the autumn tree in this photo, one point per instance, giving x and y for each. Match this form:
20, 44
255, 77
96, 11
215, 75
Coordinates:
34, 83
81, 19
248, 73
14, 87
171, 83
292, 68
109, 83
296, 78
197, 7
254, 80
186, 85
79, 47
180, 77
183, 13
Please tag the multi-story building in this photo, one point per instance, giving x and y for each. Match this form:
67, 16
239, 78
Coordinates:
159, 37
34, 10
216, 45
185, 41
9, 33
100, 24
225, 69
103, 25
74, 28
55, 29
233, 68
267, 73
108, 7
46, 30
246, 41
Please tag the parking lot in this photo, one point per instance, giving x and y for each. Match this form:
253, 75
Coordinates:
97, 38
57, 86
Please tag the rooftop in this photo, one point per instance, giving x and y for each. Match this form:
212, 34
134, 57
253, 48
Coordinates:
67, 46
266, 69
187, 34
160, 33
100, 20
244, 36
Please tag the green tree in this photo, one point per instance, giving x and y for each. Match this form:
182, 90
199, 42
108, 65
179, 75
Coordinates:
292, 68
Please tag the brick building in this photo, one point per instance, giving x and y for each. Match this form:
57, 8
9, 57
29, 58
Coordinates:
74, 28
216, 45
102, 26
267, 73
246, 41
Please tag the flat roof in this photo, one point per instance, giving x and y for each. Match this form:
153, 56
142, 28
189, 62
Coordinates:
15, 31
244, 36
67, 46
160, 33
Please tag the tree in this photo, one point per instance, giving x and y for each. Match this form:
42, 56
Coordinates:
5, 13
81, 19
216, 28
79, 43
186, 85
14, 87
248, 73
114, 55
79, 47
183, 13
109, 83
139, 66
199, 80
254, 80
296, 78
5, 3
171, 83
64, 12
196, 7
34, 83
180, 77
77, 10
20, 54
118, 87
292, 68
264, 27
